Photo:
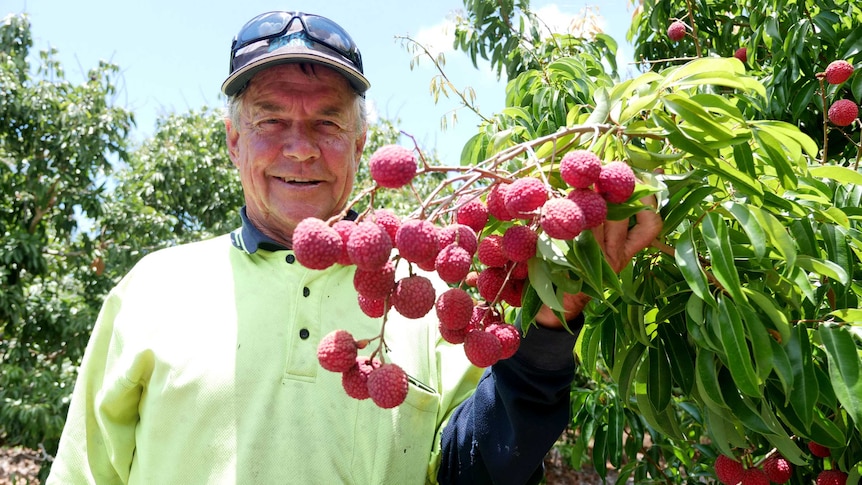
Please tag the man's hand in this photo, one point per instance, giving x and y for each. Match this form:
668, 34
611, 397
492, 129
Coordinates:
619, 244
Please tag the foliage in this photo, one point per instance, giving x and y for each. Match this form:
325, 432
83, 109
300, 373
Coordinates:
739, 331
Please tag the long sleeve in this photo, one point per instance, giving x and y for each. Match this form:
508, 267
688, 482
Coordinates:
521, 406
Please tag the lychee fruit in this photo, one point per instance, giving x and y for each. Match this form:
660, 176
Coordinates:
453, 336
453, 263
355, 379
580, 168
375, 283
616, 182
490, 251
513, 292
472, 213
373, 307
482, 348
496, 202
593, 206
337, 351
454, 308
389, 221
838, 71
676, 31
754, 476
741, 54
832, 477
344, 227
369, 246
843, 112
416, 241
490, 283
819, 450
471, 279
460, 234
519, 243
510, 338
316, 245
778, 469
525, 196
562, 219
387, 385
519, 270
727, 470
414, 296
483, 317
392, 166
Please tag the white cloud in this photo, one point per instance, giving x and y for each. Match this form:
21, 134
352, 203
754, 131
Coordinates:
438, 38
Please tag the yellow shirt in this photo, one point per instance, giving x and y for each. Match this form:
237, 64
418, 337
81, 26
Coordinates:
202, 369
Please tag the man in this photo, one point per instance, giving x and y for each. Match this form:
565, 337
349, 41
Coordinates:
202, 366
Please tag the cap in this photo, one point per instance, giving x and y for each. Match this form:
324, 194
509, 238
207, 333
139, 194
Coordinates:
312, 39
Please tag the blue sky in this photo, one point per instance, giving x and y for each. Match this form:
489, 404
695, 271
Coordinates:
173, 54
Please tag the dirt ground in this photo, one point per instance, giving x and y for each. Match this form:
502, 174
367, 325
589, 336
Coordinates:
19, 466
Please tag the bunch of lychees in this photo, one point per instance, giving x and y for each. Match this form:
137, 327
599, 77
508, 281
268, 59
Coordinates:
484, 268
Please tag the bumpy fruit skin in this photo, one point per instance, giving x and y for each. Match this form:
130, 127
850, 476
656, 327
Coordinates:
376, 283
389, 221
741, 54
727, 470
778, 469
490, 251
344, 228
315, 244
496, 202
843, 112
580, 168
513, 292
369, 246
392, 166
453, 263
832, 477
373, 307
417, 241
510, 338
616, 183
387, 385
490, 283
525, 196
592, 205
474, 214
838, 71
454, 309
819, 450
676, 31
562, 219
754, 476
453, 336
519, 243
413, 297
482, 348
460, 234
355, 379
337, 351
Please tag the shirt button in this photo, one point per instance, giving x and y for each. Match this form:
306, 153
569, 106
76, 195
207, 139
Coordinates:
290, 258
306, 292
303, 333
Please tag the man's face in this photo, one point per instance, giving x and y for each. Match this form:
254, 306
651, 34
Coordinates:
297, 146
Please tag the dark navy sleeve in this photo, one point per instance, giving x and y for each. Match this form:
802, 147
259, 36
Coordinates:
502, 433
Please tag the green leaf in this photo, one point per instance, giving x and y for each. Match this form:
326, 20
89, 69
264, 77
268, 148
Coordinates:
805, 386
731, 331
741, 407
741, 181
706, 378
849, 315
659, 382
539, 275
778, 234
626, 369
681, 210
845, 369
694, 114
823, 267
721, 257
842, 175
688, 262
750, 225
780, 157
678, 354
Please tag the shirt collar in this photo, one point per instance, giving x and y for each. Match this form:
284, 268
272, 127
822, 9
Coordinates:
249, 238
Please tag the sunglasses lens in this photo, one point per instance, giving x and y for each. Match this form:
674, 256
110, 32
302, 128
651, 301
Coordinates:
329, 33
263, 26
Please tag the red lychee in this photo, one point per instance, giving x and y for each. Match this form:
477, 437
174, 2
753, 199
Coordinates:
389, 221
843, 112
387, 385
392, 166
616, 182
592, 205
472, 213
375, 283
496, 202
490, 251
580, 168
454, 308
490, 283
832, 477
483, 317
344, 227
525, 196
778, 469
416, 241
754, 476
460, 234
337, 351
562, 219
676, 31
520, 270
315, 244
510, 338
413, 297
369, 246
355, 379
471, 279
741, 54
519, 243
727, 470
453, 336
373, 307
513, 292
482, 348
819, 450
453, 263
838, 71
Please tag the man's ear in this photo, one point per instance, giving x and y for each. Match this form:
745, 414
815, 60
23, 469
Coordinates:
232, 137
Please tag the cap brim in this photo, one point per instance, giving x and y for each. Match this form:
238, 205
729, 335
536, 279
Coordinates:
240, 77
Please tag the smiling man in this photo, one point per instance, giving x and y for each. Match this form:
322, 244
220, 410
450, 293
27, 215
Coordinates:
202, 367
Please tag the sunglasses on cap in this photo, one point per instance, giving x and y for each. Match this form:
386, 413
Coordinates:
317, 29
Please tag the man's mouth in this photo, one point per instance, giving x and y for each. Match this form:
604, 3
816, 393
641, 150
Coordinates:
298, 181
